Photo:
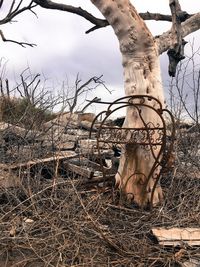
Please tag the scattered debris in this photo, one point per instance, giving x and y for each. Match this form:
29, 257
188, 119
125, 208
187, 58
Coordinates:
191, 263
56, 157
62, 139
75, 211
9, 179
177, 236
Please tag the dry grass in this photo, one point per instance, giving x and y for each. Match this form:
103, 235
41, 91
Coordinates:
57, 222
74, 227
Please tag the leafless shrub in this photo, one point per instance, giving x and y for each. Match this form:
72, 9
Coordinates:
74, 96
28, 104
184, 90
56, 220
185, 106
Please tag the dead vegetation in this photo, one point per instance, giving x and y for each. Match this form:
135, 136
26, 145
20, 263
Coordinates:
66, 223
57, 210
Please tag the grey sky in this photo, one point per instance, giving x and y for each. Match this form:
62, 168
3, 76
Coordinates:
63, 49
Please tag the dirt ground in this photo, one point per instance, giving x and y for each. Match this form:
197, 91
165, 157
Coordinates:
65, 224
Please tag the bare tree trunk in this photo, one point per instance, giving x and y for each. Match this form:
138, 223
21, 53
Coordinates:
140, 59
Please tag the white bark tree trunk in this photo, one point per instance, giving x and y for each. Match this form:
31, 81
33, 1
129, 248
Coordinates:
140, 59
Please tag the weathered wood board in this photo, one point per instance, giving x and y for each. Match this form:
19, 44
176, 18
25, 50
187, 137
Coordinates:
191, 263
80, 170
9, 179
177, 236
56, 157
65, 146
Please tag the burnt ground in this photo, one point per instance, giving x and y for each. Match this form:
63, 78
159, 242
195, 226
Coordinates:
60, 221
43, 224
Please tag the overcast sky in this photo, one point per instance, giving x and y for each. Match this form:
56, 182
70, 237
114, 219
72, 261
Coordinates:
63, 49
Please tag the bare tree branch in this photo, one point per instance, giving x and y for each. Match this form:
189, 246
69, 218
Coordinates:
176, 52
90, 102
157, 16
80, 89
1, 3
100, 23
23, 44
191, 25
13, 13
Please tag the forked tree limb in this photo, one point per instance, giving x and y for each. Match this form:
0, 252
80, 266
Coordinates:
176, 52
101, 23
191, 25
15, 11
172, 40
189, 22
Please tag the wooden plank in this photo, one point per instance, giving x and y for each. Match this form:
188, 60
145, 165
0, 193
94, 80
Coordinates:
191, 263
108, 154
9, 179
80, 170
177, 236
82, 161
56, 157
101, 179
65, 146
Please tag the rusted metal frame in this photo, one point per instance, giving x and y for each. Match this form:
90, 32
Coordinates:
163, 150
159, 112
94, 120
162, 145
146, 127
108, 112
136, 105
123, 143
157, 162
173, 132
133, 97
118, 101
131, 131
127, 128
138, 129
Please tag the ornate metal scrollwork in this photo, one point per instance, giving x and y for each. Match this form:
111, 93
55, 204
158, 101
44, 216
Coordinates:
150, 136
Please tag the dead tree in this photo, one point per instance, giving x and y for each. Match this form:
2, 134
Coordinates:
140, 58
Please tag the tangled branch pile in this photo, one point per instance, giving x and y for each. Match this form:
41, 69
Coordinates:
62, 224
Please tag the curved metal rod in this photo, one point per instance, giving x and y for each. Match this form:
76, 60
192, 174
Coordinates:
159, 159
160, 152
93, 122
135, 97
163, 163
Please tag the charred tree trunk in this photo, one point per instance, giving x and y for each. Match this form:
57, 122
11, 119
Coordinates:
140, 59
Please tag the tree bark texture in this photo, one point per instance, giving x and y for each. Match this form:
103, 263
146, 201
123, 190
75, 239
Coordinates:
140, 59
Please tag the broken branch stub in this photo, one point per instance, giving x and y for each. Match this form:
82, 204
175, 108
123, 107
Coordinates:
175, 55
176, 52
